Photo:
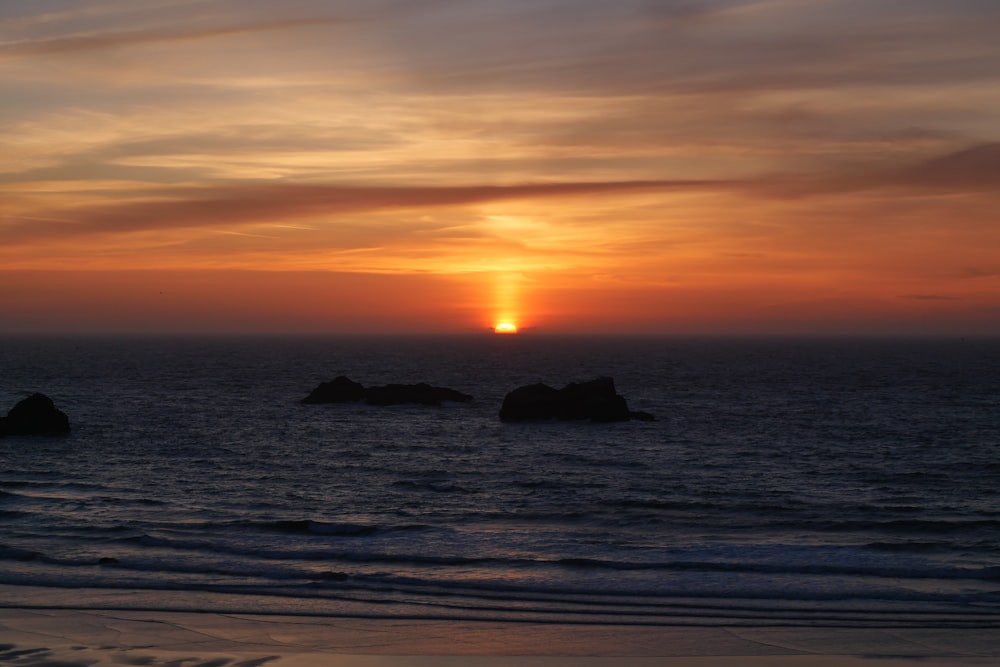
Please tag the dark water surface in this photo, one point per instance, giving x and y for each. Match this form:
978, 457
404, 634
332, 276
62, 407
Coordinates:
819, 482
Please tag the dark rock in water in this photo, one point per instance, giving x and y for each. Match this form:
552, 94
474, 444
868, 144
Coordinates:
344, 390
595, 400
108, 560
35, 415
340, 390
421, 393
533, 401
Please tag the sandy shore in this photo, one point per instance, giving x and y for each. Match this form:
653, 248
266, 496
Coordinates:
79, 638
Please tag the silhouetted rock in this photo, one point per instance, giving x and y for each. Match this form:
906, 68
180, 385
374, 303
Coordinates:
344, 390
595, 400
421, 393
530, 402
339, 390
35, 415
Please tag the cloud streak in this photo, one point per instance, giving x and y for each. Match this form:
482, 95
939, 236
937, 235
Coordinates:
226, 206
970, 170
80, 43
973, 169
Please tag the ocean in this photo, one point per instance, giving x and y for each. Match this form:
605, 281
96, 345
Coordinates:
839, 482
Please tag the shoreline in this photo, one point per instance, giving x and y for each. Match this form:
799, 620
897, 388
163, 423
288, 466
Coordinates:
82, 638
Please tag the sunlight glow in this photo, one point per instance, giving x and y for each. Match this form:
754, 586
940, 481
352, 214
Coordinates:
505, 328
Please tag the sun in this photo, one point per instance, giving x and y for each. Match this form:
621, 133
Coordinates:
505, 328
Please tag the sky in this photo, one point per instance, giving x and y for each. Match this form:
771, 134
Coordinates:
568, 166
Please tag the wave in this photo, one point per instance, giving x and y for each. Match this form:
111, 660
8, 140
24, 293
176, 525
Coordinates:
66, 491
314, 527
304, 554
240, 557
894, 526
15, 553
436, 487
789, 569
942, 547
391, 596
267, 576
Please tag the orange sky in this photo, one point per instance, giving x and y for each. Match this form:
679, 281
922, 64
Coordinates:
651, 166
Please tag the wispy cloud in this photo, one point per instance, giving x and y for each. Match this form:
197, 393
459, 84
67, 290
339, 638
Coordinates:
68, 44
224, 206
929, 297
973, 169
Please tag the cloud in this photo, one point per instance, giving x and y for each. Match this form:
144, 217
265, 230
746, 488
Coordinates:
982, 272
68, 44
226, 206
976, 168
631, 47
971, 170
928, 297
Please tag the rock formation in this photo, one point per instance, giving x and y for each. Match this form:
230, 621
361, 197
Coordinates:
595, 400
345, 390
421, 393
339, 390
35, 415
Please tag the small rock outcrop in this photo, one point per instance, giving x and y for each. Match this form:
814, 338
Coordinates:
595, 400
420, 393
339, 390
345, 390
35, 415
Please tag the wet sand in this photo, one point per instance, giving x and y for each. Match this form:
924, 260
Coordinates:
82, 638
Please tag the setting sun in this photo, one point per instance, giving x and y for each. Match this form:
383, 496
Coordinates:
505, 328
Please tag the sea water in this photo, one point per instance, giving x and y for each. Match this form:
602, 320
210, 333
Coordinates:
822, 482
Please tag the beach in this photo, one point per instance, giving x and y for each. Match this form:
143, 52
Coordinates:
80, 638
